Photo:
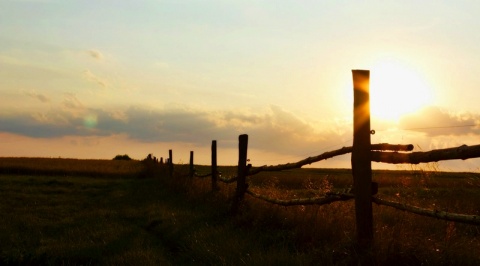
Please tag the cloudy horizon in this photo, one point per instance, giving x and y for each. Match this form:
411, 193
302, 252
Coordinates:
93, 80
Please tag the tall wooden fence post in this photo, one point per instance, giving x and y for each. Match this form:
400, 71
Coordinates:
170, 163
361, 162
192, 168
214, 166
241, 172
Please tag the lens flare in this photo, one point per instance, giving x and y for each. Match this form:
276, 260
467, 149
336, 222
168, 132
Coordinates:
90, 121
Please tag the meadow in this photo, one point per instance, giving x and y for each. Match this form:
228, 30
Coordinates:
105, 212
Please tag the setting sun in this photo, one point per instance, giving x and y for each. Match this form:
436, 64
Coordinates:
396, 90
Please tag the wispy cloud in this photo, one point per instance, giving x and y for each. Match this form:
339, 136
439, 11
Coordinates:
95, 54
434, 121
93, 78
38, 96
71, 101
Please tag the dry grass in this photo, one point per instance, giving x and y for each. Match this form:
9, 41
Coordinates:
178, 221
327, 232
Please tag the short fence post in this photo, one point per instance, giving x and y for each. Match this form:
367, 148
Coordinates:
192, 168
214, 166
170, 163
361, 162
241, 172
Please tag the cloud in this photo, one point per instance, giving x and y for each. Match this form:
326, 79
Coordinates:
118, 115
41, 97
272, 130
36, 125
93, 78
434, 121
274, 133
70, 101
95, 54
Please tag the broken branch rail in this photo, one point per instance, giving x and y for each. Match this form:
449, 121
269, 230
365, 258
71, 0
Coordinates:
303, 201
227, 180
202, 176
462, 152
327, 155
454, 217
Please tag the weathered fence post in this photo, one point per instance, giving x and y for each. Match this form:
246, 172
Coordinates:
214, 166
361, 162
170, 163
241, 172
192, 168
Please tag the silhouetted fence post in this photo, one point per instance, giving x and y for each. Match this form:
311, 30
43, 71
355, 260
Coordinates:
361, 162
214, 166
192, 168
241, 172
170, 163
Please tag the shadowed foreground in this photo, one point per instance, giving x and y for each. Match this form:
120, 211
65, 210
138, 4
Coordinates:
84, 221
59, 220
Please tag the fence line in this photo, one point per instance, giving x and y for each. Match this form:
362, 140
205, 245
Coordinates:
321, 157
331, 197
461, 152
363, 153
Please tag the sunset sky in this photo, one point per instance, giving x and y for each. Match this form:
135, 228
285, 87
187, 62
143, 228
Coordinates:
93, 79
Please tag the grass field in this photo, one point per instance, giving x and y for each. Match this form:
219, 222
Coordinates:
87, 212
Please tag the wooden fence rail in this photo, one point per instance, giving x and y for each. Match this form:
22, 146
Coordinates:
303, 201
448, 216
202, 176
463, 152
328, 155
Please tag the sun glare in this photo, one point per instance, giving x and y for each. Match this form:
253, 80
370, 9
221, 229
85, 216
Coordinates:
396, 90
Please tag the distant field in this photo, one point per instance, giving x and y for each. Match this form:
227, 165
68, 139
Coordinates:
70, 167
84, 212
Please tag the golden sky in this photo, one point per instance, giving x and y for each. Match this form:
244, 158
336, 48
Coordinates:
93, 79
